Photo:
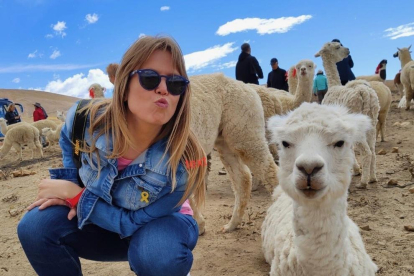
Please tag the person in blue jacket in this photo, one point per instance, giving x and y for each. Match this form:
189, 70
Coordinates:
344, 67
134, 206
320, 86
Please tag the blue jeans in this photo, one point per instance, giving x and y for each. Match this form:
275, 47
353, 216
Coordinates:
53, 244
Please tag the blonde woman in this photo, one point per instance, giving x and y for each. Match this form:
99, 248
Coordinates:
11, 116
135, 203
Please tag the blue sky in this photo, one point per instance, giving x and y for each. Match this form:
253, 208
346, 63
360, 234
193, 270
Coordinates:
63, 46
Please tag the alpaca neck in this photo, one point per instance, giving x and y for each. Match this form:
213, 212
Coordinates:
3, 128
303, 91
331, 71
321, 236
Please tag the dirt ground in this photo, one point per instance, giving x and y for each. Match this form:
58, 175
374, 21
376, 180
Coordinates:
383, 209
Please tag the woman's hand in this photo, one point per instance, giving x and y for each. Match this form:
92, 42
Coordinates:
46, 202
57, 188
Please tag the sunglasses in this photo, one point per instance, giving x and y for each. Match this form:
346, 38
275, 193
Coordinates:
150, 79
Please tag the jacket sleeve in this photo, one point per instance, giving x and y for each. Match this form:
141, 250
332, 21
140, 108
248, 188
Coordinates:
69, 170
257, 67
268, 79
35, 116
350, 61
126, 222
9, 117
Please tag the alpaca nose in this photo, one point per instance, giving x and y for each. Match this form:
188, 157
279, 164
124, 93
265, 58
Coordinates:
303, 69
310, 168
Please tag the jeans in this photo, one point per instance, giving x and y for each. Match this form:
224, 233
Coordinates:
53, 244
321, 95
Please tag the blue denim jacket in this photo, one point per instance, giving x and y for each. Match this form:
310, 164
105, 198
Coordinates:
142, 191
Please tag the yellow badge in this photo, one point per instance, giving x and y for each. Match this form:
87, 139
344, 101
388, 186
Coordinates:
144, 197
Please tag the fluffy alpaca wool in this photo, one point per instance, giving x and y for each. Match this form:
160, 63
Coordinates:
227, 114
407, 74
308, 232
359, 97
19, 136
52, 135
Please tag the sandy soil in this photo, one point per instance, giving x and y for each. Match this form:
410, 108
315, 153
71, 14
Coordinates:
385, 210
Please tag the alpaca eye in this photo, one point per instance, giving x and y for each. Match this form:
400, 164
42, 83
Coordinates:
285, 144
339, 144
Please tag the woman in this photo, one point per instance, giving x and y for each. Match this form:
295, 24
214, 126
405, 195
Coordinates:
11, 116
134, 174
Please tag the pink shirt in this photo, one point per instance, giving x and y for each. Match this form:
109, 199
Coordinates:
185, 208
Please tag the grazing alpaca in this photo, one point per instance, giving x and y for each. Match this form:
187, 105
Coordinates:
307, 231
359, 97
407, 74
227, 114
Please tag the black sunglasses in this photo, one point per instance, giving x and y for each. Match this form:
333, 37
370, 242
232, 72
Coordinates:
150, 79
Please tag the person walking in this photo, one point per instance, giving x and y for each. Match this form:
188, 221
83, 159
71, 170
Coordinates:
248, 69
277, 77
320, 86
11, 116
344, 67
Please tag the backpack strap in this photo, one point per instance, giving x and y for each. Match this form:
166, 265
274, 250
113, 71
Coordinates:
78, 134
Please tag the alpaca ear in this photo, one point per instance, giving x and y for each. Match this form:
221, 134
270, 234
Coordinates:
358, 126
275, 126
318, 54
409, 47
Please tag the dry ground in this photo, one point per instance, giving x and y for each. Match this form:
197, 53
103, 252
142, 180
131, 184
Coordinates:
385, 210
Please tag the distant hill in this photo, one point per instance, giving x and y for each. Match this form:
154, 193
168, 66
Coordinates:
50, 101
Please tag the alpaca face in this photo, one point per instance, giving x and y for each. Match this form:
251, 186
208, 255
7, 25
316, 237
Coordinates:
305, 68
315, 150
46, 131
403, 53
334, 50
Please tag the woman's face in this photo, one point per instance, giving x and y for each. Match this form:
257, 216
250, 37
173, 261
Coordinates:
154, 107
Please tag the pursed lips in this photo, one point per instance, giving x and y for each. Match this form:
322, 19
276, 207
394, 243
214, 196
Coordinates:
163, 103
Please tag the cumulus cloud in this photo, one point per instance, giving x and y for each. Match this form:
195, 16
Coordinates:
16, 80
164, 8
77, 85
226, 65
262, 26
141, 35
55, 54
59, 28
400, 31
32, 55
49, 36
201, 59
92, 18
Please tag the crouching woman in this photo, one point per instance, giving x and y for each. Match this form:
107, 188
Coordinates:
134, 206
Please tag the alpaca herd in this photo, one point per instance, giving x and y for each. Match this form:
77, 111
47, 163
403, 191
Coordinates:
306, 230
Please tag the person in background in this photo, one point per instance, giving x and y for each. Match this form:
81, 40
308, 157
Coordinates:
39, 113
11, 116
248, 69
134, 204
277, 77
344, 67
320, 86
111, 71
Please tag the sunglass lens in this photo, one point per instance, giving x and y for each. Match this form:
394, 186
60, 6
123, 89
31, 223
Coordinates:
176, 85
149, 79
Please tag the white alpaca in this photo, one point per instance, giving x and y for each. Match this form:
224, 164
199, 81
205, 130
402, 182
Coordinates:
4, 127
307, 231
18, 136
305, 70
380, 73
52, 135
60, 116
359, 97
407, 74
227, 114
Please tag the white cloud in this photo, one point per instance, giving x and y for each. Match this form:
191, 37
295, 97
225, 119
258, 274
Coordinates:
49, 36
164, 8
141, 35
16, 80
262, 26
201, 59
35, 88
59, 28
77, 85
55, 54
44, 67
32, 55
400, 31
226, 65
92, 18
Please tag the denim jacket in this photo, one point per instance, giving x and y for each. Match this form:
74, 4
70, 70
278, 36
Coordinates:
142, 191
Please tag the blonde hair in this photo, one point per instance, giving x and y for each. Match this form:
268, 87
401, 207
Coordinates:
111, 69
110, 117
9, 108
